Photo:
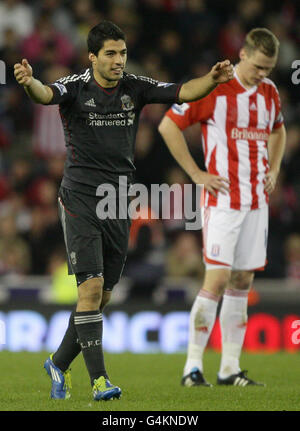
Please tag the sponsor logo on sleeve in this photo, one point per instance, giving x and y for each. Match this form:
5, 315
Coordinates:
180, 109
61, 88
164, 84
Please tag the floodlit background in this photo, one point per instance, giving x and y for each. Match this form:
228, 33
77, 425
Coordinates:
169, 40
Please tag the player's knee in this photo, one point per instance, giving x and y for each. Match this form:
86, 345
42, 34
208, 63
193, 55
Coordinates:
216, 280
220, 284
241, 280
90, 293
105, 299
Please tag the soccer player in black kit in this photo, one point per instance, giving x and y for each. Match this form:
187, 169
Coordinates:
99, 109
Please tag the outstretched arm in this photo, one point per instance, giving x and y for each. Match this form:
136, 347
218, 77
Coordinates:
37, 91
176, 143
200, 87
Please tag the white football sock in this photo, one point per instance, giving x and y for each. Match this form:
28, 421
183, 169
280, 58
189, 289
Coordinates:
233, 321
202, 319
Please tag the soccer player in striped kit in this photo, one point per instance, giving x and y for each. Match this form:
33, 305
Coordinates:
100, 110
243, 139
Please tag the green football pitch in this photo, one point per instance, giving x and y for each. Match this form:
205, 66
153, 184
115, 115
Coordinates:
151, 382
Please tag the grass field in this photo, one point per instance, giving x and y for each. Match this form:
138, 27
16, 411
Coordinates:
151, 383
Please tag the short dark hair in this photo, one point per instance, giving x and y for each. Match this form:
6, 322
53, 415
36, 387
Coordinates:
103, 31
263, 40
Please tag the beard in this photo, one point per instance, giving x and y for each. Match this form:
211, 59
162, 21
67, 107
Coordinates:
110, 78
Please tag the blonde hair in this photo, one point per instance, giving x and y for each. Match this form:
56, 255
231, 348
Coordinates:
263, 40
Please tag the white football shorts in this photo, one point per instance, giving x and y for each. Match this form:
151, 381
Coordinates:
235, 239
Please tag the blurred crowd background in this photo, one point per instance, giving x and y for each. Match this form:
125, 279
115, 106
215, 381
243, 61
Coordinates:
169, 40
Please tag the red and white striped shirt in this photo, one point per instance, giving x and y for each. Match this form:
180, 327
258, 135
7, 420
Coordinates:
236, 123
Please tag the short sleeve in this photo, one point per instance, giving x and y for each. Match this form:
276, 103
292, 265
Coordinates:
187, 114
278, 122
64, 90
153, 91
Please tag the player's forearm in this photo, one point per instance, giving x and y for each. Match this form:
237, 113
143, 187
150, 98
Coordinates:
276, 147
176, 143
38, 92
197, 88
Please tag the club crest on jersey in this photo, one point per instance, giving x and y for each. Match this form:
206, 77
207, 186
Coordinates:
215, 250
127, 103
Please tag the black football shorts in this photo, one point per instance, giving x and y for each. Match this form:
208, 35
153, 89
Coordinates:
93, 246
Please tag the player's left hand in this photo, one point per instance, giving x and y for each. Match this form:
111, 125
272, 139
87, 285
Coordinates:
270, 181
222, 72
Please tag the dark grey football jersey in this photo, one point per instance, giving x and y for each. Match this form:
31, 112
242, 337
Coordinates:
100, 125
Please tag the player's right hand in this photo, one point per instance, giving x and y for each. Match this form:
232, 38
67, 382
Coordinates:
222, 72
23, 73
212, 183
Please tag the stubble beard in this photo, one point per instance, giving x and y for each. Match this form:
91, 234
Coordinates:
108, 78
